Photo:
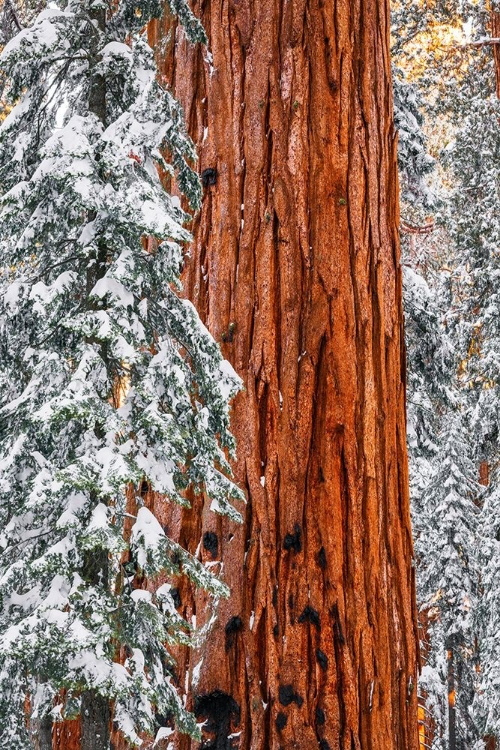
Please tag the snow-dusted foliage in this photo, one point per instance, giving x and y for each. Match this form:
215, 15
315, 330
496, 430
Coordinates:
444, 494
449, 428
430, 356
415, 163
190, 23
454, 431
475, 223
448, 575
487, 704
108, 380
445, 503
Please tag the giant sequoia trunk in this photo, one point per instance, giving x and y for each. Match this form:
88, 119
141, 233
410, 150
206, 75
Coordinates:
295, 268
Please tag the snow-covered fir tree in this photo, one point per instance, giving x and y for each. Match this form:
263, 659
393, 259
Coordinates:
475, 226
425, 288
431, 359
449, 574
441, 48
487, 704
414, 160
108, 380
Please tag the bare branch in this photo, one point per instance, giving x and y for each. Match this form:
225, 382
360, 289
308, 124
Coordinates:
409, 228
478, 43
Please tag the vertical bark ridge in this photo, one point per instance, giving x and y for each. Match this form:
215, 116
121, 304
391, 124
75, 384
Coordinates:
495, 33
67, 735
295, 269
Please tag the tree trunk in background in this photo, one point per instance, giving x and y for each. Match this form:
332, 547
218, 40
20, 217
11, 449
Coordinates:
41, 733
95, 721
295, 268
452, 714
426, 720
495, 33
95, 710
45, 742
67, 735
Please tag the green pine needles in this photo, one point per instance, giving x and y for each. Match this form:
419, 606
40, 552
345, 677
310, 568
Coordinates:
86, 311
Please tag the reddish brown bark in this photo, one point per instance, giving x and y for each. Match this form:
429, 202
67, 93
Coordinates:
484, 473
295, 268
66, 735
495, 33
452, 713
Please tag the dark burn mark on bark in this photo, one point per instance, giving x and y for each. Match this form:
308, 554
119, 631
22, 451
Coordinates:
287, 695
164, 720
169, 668
275, 596
211, 543
293, 541
176, 559
233, 626
322, 558
222, 715
324, 745
209, 177
281, 721
176, 597
310, 615
337, 627
322, 659
320, 716
276, 631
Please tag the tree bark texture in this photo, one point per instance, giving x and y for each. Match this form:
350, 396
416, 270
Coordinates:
41, 733
67, 735
295, 269
45, 742
452, 714
95, 722
495, 33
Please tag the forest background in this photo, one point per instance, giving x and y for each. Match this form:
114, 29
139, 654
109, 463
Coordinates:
446, 72
447, 82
